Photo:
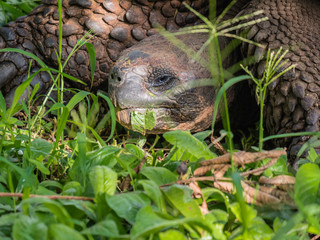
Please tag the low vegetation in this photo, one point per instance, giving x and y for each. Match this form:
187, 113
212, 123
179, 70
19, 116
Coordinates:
68, 172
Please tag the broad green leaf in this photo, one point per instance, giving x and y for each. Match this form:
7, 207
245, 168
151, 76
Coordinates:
39, 166
127, 205
306, 188
44, 191
60, 231
217, 220
290, 229
312, 215
50, 183
80, 210
202, 135
159, 175
153, 192
29, 180
53, 206
40, 147
279, 168
141, 122
72, 188
258, 230
181, 199
103, 180
238, 212
149, 222
103, 156
186, 142
150, 120
9, 218
27, 228
60, 212
172, 235
135, 150
105, 228
16, 12
138, 122
213, 194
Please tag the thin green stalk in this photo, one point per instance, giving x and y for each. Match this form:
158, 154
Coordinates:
296, 134
2, 139
60, 79
262, 97
221, 75
212, 10
274, 62
11, 188
11, 133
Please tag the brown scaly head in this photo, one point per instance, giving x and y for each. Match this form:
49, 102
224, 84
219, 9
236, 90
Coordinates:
156, 75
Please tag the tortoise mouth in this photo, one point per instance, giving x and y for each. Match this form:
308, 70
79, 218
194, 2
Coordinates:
168, 119
164, 121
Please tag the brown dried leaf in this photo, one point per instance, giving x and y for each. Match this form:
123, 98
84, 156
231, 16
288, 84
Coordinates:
219, 172
260, 170
282, 195
224, 186
204, 207
216, 144
198, 194
241, 158
283, 182
196, 190
219, 160
261, 197
219, 169
203, 170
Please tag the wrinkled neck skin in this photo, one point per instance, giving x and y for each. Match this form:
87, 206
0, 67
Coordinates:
156, 75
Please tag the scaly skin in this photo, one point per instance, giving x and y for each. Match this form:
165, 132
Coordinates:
293, 100
117, 25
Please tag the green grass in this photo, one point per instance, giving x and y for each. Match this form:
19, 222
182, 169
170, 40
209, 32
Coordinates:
12, 9
76, 153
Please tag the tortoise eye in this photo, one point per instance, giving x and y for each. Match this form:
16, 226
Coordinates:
162, 80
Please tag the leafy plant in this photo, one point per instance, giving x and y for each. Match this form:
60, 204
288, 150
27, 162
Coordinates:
82, 188
274, 70
12, 9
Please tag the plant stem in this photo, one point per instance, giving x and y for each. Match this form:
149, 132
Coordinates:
229, 137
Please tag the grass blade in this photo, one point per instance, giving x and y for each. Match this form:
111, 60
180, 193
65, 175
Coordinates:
19, 91
92, 57
296, 134
76, 99
28, 54
112, 111
226, 86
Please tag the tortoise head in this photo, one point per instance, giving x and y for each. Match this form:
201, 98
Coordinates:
156, 75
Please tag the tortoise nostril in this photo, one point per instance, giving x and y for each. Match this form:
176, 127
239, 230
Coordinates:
119, 79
